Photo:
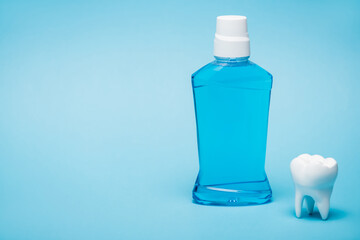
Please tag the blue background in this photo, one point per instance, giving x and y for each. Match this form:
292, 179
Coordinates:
97, 126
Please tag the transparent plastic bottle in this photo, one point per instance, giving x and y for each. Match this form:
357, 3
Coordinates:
232, 97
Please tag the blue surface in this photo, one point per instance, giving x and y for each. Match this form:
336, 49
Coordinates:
231, 101
97, 126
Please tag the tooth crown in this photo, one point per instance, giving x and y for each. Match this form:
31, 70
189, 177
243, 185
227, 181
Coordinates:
314, 178
314, 171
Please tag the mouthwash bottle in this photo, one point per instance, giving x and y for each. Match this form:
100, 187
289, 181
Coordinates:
231, 97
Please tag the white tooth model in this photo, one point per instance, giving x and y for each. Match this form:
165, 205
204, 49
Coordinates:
314, 178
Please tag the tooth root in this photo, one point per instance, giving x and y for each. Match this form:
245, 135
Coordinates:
324, 206
309, 204
298, 203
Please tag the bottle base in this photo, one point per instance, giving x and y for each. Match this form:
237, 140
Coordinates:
233, 194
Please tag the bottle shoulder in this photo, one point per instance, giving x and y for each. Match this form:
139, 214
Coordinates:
233, 74
242, 69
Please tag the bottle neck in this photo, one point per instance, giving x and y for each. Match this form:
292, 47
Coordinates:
231, 61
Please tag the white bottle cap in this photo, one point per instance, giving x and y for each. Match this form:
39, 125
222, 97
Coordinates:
231, 37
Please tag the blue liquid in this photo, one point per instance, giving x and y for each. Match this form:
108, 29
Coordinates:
232, 98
